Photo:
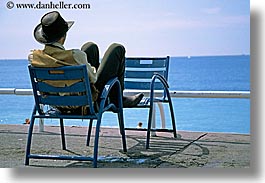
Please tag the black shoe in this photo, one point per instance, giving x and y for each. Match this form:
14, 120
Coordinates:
132, 101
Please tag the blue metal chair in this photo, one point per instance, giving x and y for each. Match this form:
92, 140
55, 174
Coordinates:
46, 94
149, 74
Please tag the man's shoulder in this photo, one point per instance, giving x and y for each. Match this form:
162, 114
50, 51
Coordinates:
79, 56
78, 53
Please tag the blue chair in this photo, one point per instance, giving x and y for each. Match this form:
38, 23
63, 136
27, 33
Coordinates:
46, 94
145, 74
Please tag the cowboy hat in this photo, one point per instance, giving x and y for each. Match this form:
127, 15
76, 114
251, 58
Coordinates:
51, 28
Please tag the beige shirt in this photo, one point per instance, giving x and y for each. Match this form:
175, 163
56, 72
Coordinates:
80, 57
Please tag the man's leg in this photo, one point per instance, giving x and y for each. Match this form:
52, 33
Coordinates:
91, 50
113, 65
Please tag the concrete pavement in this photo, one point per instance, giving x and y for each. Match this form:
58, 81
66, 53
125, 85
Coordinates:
191, 149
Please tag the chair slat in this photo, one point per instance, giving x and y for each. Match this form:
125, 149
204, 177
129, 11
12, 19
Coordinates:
63, 100
139, 71
48, 74
142, 74
146, 63
77, 87
141, 85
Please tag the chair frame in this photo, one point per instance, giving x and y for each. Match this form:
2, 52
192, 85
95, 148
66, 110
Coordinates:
149, 102
104, 105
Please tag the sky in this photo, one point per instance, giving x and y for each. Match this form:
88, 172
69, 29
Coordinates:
144, 27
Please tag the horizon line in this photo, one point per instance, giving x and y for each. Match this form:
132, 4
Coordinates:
189, 56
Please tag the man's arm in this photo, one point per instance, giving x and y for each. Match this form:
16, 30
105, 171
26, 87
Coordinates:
81, 58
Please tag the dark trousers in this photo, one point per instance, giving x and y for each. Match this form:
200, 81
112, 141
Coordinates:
112, 64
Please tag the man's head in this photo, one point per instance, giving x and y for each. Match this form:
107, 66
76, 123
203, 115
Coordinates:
62, 39
53, 28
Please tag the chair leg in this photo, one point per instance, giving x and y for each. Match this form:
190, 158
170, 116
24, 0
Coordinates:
172, 117
29, 140
122, 131
172, 113
89, 132
149, 126
62, 134
95, 159
162, 114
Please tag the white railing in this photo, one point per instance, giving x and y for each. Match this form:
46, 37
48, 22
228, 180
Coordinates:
173, 94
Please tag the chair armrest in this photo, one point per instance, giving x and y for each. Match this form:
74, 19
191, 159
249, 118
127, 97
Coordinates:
164, 82
108, 86
160, 78
106, 91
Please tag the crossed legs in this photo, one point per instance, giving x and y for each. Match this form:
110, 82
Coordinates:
112, 65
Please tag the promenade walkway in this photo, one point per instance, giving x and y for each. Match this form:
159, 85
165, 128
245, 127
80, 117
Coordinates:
192, 149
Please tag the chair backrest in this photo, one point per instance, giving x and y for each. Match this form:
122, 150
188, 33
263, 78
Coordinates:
47, 93
139, 71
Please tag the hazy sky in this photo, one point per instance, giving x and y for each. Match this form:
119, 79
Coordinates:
144, 27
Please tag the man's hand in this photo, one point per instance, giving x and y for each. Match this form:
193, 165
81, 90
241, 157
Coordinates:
30, 56
94, 92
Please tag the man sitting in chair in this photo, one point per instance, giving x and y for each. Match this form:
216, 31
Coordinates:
52, 33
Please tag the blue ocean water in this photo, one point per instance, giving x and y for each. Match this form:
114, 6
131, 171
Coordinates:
214, 73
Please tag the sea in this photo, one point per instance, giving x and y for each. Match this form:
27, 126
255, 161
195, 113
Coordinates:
195, 73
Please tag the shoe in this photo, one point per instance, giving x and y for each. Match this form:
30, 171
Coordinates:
132, 101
